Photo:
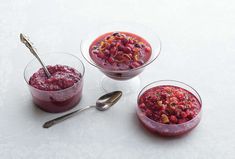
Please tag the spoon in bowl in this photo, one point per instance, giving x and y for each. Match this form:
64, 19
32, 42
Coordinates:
102, 104
29, 45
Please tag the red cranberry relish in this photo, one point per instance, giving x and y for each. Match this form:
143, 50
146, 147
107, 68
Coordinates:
169, 104
62, 77
120, 51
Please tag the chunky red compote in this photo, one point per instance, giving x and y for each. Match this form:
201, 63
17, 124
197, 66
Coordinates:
60, 92
120, 51
169, 104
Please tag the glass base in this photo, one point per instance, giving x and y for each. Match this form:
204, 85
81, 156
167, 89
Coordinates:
130, 86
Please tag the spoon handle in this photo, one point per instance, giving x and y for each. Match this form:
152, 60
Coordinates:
29, 45
64, 117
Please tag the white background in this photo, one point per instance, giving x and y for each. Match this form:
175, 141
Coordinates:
198, 47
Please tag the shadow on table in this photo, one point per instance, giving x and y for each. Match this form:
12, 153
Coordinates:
37, 112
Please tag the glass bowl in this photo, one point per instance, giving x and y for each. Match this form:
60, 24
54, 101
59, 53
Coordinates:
61, 100
122, 79
169, 129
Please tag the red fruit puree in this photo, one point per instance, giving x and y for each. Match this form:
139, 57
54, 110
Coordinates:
120, 51
60, 92
169, 104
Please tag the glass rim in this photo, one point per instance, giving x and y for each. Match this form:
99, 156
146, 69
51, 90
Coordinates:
171, 125
121, 71
49, 53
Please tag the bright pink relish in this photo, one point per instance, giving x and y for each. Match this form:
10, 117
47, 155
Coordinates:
120, 51
169, 104
62, 77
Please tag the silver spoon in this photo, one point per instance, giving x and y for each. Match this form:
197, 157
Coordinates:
102, 104
29, 45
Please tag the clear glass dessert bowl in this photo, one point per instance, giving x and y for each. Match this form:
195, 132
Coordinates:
169, 108
121, 52
57, 93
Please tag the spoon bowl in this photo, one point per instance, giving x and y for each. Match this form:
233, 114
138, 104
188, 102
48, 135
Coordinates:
107, 100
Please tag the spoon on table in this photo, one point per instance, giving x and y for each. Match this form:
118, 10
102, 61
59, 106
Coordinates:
102, 104
29, 45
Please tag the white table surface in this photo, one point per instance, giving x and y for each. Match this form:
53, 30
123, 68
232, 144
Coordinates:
198, 47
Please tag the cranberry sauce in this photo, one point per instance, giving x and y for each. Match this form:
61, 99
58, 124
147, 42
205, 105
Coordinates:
120, 51
60, 92
62, 77
169, 104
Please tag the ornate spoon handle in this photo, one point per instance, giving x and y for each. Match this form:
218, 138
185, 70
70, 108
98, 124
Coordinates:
29, 45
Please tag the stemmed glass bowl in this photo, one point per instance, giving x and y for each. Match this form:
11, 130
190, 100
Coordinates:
124, 80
